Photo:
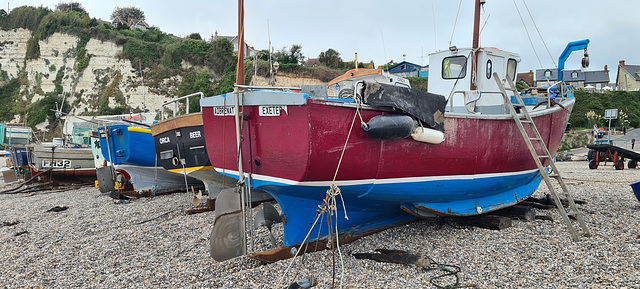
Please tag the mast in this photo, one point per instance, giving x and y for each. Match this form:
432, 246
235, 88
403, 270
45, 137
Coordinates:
240, 67
476, 40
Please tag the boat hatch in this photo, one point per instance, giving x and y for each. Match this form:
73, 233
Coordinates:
165, 155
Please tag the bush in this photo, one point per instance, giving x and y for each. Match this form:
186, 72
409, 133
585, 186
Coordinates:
6, 99
419, 83
42, 110
24, 17
625, 101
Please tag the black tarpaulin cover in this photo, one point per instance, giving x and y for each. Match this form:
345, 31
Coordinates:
427, 107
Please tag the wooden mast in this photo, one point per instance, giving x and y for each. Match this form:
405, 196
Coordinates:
476, 40
240, 66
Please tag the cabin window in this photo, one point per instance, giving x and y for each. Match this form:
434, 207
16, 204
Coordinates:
489, 69
454, 67
512, 66
574, 74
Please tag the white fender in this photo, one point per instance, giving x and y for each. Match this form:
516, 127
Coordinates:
428, 135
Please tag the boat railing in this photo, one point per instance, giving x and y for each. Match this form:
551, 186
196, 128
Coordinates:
175, 103
564, 90
282, 88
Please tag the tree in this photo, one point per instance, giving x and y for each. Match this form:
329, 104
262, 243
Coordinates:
70, 6
221, 55
330, 58
195, 36
126, 14
291, 56
521, 85
389, 64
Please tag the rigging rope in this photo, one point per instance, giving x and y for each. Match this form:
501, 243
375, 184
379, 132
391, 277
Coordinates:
455, 23
527, 31
536, 26
328, 206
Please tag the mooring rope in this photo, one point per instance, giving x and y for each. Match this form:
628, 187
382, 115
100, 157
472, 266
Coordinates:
328, 206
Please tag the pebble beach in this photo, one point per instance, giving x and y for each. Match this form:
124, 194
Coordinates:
151, 243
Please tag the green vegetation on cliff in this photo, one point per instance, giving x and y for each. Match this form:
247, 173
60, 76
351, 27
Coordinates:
590, 107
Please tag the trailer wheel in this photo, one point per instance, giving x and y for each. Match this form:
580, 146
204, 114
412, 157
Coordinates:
619, 165
593, 164
590, 155
632, 164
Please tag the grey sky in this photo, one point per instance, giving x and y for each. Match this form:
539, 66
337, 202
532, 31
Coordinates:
386, 30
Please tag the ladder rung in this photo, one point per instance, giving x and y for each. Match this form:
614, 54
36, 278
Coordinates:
526, 121
517, 105
534, 138
554, 175
543, 157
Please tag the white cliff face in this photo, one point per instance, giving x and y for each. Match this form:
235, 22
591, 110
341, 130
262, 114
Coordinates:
55, 53
106, 76
13, 48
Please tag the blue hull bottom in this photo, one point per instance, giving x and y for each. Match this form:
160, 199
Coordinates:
373, 205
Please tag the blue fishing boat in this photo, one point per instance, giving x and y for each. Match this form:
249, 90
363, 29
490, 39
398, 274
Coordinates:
131, 152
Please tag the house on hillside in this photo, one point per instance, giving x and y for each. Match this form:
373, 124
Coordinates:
526, 77
311, 62
248, 50
133, 23
628, 77
595, 80
408, 69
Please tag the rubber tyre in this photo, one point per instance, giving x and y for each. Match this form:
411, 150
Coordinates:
632, 164
590, 155
619, 165
593, 165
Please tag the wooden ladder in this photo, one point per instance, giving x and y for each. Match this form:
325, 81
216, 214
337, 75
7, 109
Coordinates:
522, 119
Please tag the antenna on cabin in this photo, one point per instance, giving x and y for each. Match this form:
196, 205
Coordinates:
270, 63
435, 39
356, 60
144, 97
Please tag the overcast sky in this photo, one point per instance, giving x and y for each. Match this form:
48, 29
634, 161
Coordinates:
404, 30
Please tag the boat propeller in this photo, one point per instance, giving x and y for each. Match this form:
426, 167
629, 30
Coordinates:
227, 237
267, 217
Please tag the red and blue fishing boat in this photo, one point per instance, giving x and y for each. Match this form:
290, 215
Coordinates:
386, 155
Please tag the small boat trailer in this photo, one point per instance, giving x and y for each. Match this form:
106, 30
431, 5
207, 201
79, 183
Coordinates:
600, 154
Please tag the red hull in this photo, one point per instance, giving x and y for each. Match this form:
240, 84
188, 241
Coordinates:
305, 145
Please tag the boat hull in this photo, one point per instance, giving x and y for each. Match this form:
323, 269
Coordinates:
140, 181
180, 140
483, 164
133, 153
65, 164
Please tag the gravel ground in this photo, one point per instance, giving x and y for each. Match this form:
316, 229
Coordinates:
150, 242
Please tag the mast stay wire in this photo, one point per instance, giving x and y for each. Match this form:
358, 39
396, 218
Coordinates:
455, 23
435, 38
536, 26
527, 31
